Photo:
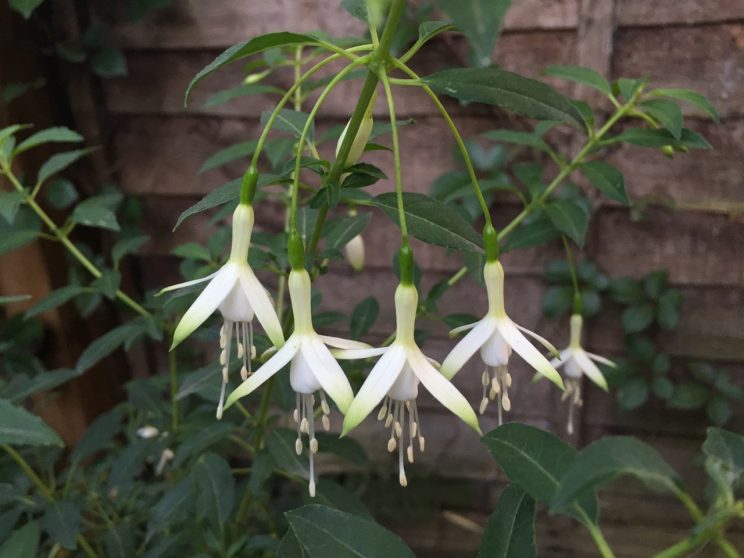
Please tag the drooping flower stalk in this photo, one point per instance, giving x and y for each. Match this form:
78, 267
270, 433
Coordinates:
239, 296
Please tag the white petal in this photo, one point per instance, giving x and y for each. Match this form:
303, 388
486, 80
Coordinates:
458, 330
265, 371
528, 352
206, 303
339, 343
328, 372
375, 387
441, 388
545, 343
467, 347
187, 284
562, 357
262, 305
355, 354
590, 369
601, 359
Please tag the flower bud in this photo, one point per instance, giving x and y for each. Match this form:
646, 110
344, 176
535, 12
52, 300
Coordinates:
354, 252
362, 136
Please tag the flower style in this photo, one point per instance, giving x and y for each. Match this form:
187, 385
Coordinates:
495, 335
312, 369
396, 377
235, 291
575, 362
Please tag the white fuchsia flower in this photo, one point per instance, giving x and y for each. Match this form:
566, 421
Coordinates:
354, 252
312, 369
575, 362
395, 379
495, 336
237, 293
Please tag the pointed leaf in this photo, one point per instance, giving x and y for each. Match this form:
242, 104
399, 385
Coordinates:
666, 112
232, 153
57, 135
569, 218
215, 489
61, 521
531, 234
61, 161
692, 97
18, 427
607, 179
577, 74
363, 316
22, 543
432, 221
480, 21
510, 532
519, 94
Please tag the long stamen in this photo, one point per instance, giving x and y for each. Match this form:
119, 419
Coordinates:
310, 419
226, 338
244, 372
390, 422
326, 420
411, 431
400, 419
417, 424
296, 416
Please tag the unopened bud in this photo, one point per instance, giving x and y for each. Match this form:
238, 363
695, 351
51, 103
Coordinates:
361, 139
668, 150
147, 432
354, 252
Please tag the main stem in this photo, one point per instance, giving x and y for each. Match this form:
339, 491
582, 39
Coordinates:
67, 243
596, 533
381, 59
396, 157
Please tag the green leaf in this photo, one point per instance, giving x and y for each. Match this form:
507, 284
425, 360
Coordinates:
645, 137
626, 290
18, 427
609, 458
628, 87
519, 94
204, 381
510, 531
363, 317
242, 50
346, 448
480, 21
215, 489
22, 543
534, 233
61, 161
222, 97
727, 448
356, 8
655, 283
342, 231
432, 221
430, 29
577, 74
667, 113
104, 346
61, 193
633, 394
192, 251
557, 301
10, 299
99, 434
25, 7
56, 298
10, 202
109, 63
667, 312
58, 134
333, 495
689, 396
119, 540
98, 211
16, 239
233, 153
537, 461
322, 532
692, 97
718, 410
61, 521
17, 392
200, 439
528, 139
662, 387
172, 505
638, 317
607, 179
127, 246
530, 174
281, 446
569, 218
290, 121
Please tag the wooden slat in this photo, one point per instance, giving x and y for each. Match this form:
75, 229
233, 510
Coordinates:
594, 44
641, 13
708, 59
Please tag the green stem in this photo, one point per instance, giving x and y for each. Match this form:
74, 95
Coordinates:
45, 492
697, 515
173, 370
381, 58
58, 233
396, 156
596, 533
458, 139
263, 410
290, 93
566, 170
574, 279
306, 129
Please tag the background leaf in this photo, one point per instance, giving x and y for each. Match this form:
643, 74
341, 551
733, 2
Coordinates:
480, 21
18, 427
510, 531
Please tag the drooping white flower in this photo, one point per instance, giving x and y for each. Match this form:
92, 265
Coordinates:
312, 369
395, 379
495, 336
575, 362
237, 293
